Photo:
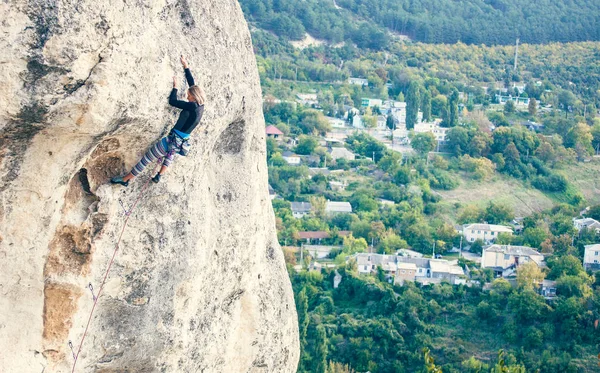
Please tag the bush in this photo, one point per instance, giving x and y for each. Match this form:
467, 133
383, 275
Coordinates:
443, 180
552, 183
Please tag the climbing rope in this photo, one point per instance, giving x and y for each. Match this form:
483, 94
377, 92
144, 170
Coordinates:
97, 297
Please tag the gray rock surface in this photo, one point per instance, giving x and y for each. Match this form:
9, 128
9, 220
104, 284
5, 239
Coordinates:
199, 282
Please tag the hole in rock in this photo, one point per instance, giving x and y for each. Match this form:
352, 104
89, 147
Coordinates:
85, 182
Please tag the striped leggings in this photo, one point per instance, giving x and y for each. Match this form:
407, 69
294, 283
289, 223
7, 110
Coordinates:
165, 148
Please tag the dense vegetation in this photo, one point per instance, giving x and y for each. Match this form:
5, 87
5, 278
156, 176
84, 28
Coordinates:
369, 325
367, 22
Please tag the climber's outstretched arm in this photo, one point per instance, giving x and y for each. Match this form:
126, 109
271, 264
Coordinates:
188, 73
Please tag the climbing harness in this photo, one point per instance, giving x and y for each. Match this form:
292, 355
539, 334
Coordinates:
97, 297
183, 149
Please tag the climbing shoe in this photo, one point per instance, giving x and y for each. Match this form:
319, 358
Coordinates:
119, 180
156, 178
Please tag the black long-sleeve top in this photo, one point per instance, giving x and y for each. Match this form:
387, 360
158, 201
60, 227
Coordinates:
191, 111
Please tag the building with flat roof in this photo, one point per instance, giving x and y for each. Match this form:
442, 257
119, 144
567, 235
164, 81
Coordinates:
485, 232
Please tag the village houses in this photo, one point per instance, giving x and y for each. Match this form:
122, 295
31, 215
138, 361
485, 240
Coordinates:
300, 209
402, 268
504, 259
485, 232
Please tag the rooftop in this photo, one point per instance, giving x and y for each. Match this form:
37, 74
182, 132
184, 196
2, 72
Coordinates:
402, 265
512, 250
272, 130
301, 206
488, 227
338, 207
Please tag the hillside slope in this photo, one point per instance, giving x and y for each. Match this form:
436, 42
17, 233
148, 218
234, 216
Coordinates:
487, 22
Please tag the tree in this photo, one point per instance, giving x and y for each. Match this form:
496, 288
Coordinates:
313, 122
354, 245
439, 106
567, 265
458, 140
474, 366
430, 366
497, 213
534, 236
528, 306
335, 367
509, 107
529, 275
306, 145
318, 204
303, 316
271, 147
390, 122
566, 100
453, 108
320, 356
477, 246
423, 143
532, 107
412, 104
426, 106
594, 212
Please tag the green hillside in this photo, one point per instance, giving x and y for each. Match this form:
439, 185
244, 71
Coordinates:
368, 22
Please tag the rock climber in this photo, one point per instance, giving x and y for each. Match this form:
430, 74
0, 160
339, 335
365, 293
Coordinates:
176, 141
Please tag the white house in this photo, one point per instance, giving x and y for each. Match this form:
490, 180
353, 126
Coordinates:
291, 158
300, 209
398, 111
588, 223
434, 128
591, 257
338, 208
358, 81
504, 259
485, 232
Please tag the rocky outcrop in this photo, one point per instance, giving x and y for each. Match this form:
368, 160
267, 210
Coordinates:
199, 283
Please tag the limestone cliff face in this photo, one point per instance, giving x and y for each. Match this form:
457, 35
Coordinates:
199, 283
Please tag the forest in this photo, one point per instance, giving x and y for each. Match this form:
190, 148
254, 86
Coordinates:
372, 23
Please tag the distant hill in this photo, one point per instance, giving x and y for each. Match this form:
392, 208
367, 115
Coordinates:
368, 23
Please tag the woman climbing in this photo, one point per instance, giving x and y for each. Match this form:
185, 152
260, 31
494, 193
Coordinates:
176, 141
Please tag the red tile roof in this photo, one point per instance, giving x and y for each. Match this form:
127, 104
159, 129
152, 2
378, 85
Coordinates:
272, 130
